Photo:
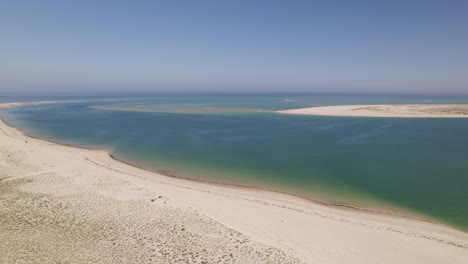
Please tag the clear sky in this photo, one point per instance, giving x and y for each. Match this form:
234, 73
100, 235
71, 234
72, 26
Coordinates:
318, 46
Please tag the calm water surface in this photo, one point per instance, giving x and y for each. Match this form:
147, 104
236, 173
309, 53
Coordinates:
403, 164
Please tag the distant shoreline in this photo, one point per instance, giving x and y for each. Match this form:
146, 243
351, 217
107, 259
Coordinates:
391, 110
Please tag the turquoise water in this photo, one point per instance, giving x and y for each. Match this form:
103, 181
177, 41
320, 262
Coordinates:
402, 164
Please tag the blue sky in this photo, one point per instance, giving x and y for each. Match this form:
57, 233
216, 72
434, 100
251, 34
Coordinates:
316, 46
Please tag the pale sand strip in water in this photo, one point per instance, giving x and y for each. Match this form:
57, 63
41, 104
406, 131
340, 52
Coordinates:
398, 110
17, 104
72, 205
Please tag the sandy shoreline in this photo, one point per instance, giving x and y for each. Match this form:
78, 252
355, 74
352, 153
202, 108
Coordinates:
58, 199
399, 110
338, 205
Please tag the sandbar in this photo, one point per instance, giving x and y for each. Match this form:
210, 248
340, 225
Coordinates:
393, 110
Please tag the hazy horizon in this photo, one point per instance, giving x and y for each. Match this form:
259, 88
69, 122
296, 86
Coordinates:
68, 47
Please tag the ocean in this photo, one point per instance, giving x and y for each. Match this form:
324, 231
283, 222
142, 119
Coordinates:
404, 165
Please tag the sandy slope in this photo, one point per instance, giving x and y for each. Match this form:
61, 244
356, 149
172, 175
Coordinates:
61, 204
401, 110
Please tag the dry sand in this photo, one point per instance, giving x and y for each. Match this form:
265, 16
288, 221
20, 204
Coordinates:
400, 110
61, 204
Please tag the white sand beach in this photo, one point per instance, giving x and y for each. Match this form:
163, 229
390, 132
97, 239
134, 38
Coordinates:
62, 204
397, 110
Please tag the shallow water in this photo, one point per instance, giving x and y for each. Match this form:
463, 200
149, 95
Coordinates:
403, 164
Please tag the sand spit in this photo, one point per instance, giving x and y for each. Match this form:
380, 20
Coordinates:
398, 110
16, 104
60, 204
12, 104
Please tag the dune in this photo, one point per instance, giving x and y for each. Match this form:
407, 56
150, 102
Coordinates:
397, 110
63, 204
